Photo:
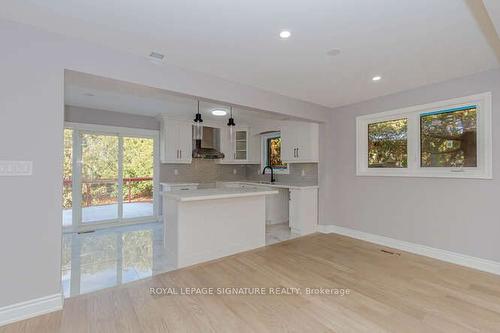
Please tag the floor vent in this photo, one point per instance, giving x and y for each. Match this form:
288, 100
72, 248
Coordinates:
390, 252
86, 232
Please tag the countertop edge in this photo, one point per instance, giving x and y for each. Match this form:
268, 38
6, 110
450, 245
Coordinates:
219, 196
276, 185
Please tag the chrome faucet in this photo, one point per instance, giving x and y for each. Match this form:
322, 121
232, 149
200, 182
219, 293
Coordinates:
272, 172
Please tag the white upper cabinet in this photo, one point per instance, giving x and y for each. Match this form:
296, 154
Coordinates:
254, 146
176, 143
300, 142
238, 151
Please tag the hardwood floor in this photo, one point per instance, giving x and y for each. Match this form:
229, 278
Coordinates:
388, 293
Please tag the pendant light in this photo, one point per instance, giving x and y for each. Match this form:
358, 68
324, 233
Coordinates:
198, 125
231, 125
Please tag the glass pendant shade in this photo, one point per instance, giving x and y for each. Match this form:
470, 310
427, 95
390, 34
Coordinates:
198, 131
198, 125
232, 132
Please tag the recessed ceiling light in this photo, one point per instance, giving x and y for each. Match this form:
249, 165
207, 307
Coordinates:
219, 112
376, 78
284, 34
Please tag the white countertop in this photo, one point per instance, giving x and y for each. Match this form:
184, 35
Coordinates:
217, 193
278, 184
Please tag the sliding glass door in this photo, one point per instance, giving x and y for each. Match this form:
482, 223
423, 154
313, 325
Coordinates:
138, 174
110, 176
99, 185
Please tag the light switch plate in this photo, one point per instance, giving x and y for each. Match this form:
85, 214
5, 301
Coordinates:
16, 168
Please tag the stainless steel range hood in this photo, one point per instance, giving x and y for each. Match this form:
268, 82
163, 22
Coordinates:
208, 147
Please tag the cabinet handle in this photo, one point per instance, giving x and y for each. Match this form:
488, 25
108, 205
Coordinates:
180, 153
297, 152
177, 152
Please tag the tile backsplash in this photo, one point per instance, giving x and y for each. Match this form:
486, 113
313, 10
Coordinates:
201, 171
208, 171
299, 172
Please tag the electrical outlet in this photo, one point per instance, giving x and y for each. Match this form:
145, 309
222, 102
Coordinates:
303, 173
16, 168
176, 172
235, 171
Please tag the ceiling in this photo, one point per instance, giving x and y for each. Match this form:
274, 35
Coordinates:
409, 43
89, 91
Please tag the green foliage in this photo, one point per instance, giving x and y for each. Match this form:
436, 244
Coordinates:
387, 144
274, 153
448, 139
138, 163
100, 169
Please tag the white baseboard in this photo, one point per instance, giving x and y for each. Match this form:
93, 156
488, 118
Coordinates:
485, 265
31, 308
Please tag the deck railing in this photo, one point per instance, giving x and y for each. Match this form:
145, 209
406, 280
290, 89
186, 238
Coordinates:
127, 183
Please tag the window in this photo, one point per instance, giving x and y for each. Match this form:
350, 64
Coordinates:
387, 144
271, 152
448, 138
445, 139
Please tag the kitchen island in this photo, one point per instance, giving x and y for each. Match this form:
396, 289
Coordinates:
206, 224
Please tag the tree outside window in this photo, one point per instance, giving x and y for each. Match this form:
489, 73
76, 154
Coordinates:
272, 152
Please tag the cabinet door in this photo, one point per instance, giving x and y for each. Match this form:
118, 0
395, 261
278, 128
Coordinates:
308, 143
169, 149
241, 146
175, 141
236, 152
254, 147
303, 210
185, 142
290, 137
226, 147
300, 142
288, 142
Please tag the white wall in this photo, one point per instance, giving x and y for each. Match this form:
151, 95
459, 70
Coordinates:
32, 66
31, 124
459, 215
76, 114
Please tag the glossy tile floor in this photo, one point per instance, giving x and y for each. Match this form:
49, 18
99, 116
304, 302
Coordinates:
108, 212
113, 256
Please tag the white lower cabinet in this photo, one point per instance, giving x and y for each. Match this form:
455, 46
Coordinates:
303, 210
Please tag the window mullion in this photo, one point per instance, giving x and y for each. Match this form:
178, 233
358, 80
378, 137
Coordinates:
413, 138
120, 177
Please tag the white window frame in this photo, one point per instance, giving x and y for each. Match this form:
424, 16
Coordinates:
263, 159
484, 140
